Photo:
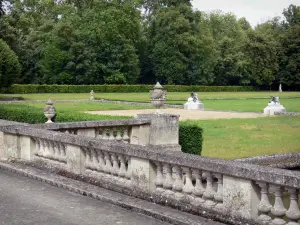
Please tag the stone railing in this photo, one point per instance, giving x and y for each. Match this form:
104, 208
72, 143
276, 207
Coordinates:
233, 192
128, 131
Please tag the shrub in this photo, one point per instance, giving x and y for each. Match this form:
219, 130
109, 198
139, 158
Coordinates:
190, 138
10, 68
33, 88
33, 115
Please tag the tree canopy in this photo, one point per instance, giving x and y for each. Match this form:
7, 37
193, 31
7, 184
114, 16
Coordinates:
143, 41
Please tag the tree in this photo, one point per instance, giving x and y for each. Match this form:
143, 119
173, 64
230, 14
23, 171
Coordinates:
262, 52
10, 68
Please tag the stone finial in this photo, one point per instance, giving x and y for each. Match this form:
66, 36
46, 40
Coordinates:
92, 95
158, 96
49, 111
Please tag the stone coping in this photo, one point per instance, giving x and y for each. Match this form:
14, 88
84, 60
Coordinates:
92, 124
162, 154
269, 159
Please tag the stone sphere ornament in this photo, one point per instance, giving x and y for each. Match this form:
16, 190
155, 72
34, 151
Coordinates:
49, 111
158, 97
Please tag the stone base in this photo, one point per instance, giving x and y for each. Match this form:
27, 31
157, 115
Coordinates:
270, 110
194, 106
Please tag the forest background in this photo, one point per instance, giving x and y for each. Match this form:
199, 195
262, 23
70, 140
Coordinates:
144, 41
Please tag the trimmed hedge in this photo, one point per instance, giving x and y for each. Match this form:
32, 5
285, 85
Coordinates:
33, 115
190, 135
32, 88
190, 138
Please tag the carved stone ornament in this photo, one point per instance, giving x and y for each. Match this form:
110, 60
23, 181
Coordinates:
49, 111
158, 96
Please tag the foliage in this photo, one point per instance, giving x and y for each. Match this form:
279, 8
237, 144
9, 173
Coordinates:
190, 138
10, 68
33, 115
31, 88
143, 41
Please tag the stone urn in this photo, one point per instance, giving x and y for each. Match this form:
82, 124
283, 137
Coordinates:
92, 98
49, 111
158, 97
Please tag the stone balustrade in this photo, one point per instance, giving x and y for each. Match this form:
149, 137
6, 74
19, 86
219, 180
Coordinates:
51, 150
233, 192
128, 131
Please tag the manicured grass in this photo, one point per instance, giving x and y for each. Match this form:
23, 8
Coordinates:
250, 105
144, 97
242, 104
239, 138
89, 106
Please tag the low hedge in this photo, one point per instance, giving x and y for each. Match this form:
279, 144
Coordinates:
33, 115
32, 88
190, 135
190, 138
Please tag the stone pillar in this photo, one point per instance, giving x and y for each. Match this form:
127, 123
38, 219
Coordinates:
75, 159
27, 148
240, 197
164, 128
11, 144
143, 175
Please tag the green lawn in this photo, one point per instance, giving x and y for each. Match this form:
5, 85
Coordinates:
239, 138
239, 104
89, 106
144, 97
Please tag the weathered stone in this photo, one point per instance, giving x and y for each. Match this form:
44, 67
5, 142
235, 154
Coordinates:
164, 128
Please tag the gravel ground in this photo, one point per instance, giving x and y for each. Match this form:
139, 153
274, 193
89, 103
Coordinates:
184, 114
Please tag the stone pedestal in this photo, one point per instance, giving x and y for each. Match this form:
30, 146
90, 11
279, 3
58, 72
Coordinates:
272, 109
194, 106
164, 129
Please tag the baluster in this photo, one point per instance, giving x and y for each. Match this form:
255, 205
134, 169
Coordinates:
101, 160
264, 207
115, 168
209, 193
293, 213
125, 135
219, 195
37, 147
168, 180
94, 160
178, 184
188, 187
51, 150
128, 172
55, 154
111, 134
278, 209
199, 189
87, 158
105, 136
122, 171
100, 133
118, 137
108, 166
63, 151
46, 152
159, 176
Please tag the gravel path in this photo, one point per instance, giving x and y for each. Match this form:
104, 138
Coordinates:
184, 114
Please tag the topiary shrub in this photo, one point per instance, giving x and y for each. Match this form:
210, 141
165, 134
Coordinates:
190, 138
10, 68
